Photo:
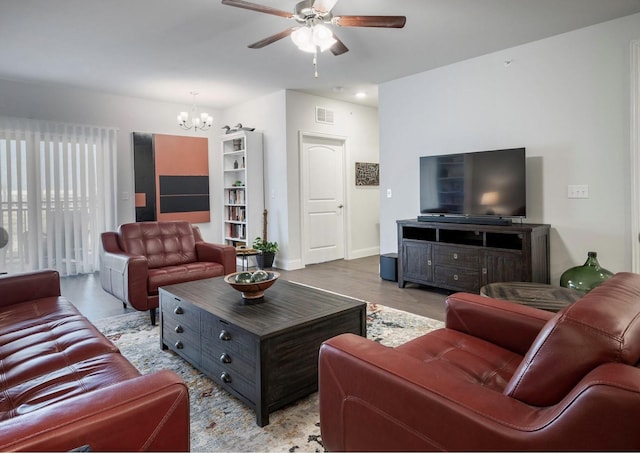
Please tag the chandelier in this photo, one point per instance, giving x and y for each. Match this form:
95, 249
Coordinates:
203, 122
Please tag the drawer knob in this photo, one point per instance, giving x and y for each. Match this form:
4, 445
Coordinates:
429, 262
455, 256
178, 311
178, 329
224, 358
224, 336
455, 277
179, 345
225, 377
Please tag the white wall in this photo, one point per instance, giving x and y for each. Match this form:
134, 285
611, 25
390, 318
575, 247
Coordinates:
74, 105
359, 126
565, 98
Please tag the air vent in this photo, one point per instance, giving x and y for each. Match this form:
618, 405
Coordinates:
324, 115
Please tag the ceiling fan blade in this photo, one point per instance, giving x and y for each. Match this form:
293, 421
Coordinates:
272, 39
370, 21
324, 6
258, 8
338, 48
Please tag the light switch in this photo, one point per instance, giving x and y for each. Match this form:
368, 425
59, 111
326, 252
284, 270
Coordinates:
388, 193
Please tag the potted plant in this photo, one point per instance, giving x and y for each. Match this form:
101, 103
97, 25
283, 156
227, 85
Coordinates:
267, 252
267, 248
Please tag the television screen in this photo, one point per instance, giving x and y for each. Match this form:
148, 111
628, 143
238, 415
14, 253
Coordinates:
481, 183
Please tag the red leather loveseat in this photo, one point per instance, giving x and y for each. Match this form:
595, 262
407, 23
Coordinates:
499, 377
64, 386
143, 256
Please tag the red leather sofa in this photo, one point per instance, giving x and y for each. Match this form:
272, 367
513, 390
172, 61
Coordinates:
143, 256
499, 377
64, 386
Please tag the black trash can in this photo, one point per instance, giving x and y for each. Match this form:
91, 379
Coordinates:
389, 267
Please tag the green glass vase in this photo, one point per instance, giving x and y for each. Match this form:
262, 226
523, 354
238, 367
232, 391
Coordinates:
587, 276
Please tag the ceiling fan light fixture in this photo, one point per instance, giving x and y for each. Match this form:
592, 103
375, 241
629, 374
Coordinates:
303, 39
308, 38
322, 37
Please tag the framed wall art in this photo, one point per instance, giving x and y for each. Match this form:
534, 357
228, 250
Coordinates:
367, 174
171, 176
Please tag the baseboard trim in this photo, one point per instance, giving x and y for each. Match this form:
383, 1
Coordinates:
289, 265
361, 253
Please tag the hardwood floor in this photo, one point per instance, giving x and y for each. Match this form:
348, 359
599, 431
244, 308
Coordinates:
358, 278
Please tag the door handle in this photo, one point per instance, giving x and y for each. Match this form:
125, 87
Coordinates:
341, 206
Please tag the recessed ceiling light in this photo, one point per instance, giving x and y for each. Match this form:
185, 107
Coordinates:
361, 95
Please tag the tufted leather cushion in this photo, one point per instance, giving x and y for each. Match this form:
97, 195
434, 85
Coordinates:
162, 243
49, 352
602, 327
182, 273
469, 359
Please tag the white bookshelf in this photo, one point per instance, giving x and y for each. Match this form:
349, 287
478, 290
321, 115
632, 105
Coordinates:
243, 193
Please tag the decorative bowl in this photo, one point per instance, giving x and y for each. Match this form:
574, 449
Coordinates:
252, 292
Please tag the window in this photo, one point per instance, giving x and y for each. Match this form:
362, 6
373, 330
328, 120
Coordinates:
57, 194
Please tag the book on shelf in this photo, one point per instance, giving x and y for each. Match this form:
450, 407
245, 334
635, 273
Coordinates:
236, 213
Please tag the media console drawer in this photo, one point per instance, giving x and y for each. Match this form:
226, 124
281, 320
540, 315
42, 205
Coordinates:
457, 279
457, 256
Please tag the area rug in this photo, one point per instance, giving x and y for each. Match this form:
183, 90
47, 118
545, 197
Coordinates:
222, 423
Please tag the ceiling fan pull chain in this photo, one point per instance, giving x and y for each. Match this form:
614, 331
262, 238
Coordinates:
315, 64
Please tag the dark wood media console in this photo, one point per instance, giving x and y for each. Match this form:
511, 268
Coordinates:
464, 257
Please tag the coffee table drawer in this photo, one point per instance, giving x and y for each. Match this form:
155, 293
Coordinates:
187, 347
182, 312
227, 337
225, 358
230, 379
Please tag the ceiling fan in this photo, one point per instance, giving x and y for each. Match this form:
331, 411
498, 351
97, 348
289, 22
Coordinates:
312, 17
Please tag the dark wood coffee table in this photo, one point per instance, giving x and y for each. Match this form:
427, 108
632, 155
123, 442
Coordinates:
265, 354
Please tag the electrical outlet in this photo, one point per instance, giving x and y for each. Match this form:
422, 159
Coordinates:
578, 191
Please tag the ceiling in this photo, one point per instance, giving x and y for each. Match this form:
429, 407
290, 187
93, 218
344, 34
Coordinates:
164, 49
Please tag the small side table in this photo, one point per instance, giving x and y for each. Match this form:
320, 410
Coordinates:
245, 254
541, 296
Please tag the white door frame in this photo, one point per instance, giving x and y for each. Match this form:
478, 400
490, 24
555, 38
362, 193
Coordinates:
304, 137
635, 155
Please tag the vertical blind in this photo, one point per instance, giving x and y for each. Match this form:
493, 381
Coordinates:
57, 194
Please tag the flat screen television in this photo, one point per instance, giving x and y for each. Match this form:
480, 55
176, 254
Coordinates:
481, 185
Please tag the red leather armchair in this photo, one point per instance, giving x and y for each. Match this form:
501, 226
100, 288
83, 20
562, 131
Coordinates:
143, 256
498, 377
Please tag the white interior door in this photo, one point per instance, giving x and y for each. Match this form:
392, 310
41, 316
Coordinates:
322, 181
